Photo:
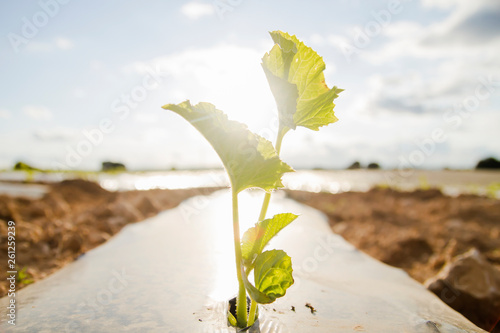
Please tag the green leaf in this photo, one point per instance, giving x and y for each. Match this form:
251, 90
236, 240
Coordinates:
257, 295
273, 276
231, 319
295, 75
256, 238
273, 273
250, 160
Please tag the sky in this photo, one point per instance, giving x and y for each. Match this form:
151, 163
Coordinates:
83, 82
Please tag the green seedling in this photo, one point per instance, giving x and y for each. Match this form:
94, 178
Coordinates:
23, 277
295, 76
493, 190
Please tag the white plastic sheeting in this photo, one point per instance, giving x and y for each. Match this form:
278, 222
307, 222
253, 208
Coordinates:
175, 272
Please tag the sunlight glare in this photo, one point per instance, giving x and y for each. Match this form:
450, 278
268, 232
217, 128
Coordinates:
226, 283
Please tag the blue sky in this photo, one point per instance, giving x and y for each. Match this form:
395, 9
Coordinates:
83, 81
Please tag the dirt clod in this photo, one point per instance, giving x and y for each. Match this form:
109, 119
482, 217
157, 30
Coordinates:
308, 305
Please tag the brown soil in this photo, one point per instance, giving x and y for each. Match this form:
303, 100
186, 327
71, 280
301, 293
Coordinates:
417, 231
74, 217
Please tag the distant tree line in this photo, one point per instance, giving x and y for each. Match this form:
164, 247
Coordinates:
488, 163
356, 165
113, 166
106, 166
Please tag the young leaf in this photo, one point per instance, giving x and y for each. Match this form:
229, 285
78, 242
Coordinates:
256, 238
295, 75
257, 295
273, 276
250, 160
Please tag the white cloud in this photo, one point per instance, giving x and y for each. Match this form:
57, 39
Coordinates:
56, 134
37, 112
441, 4
196, 10
471, 29
146, 117
452, 56
59, 43
317, 39
470, 24
464, 5
39, 47
337, 40
228, 76
64, 43
5, 114
332, 39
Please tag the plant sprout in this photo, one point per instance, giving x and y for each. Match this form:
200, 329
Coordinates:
295, 75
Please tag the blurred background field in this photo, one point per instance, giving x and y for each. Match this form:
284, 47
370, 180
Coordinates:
450, 182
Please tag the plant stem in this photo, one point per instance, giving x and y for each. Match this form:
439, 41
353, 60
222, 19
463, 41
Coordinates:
265, 205
279, 139
241, 300
267, 197
251, 314
262, 216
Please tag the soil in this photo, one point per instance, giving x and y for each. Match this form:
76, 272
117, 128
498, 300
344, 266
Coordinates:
417, 231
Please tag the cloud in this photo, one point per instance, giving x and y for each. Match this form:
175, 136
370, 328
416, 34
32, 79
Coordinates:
431, 91
196, 10
317, 39
39, 47
441, 4
467, 24
464, 5
470, 31
37, 112
5, 114
401, 93
63, 43
338, 41
482, 26
56, 134
58, 43
144, 117
229, 76
399, 105
453, 56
